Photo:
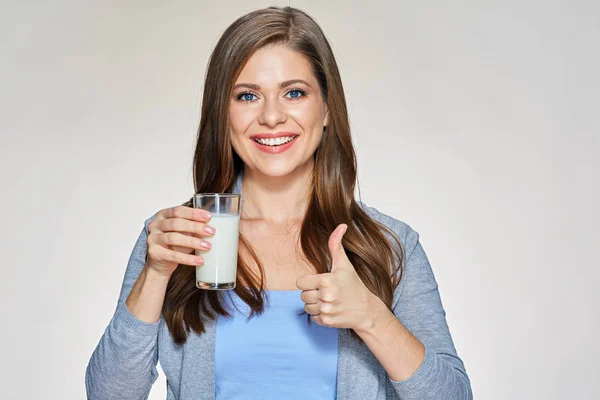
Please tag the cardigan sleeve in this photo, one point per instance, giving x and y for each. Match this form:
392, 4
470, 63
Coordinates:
418, 306
123, 365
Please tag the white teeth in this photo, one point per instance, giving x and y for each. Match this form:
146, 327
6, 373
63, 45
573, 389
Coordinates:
275, 142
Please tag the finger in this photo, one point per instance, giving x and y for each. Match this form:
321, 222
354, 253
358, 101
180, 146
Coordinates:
335, 243
180, 240
185, 225
328, 295
163, 254
310, 296
319, 320
312, 309
194, 214
310, 282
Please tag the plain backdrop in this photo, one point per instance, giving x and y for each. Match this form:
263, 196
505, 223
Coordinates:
475, 122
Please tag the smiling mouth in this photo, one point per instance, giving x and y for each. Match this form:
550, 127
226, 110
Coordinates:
276, 141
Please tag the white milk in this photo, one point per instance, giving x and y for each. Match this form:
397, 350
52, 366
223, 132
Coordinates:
220, 262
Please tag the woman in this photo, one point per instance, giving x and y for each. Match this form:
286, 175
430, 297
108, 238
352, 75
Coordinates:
274, 126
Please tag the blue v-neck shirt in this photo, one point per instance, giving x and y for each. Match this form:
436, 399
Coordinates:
275, 355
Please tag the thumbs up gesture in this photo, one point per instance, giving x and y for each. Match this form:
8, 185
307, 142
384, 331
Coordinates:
339, 298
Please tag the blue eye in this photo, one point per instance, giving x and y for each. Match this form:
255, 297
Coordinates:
296, 93
246, 96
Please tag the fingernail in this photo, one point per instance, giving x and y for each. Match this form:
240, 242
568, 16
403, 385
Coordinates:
209, 229
205, 214
199, 260
205, 245
344, 229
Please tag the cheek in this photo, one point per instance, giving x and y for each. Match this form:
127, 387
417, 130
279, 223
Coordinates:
240, 119
309, 115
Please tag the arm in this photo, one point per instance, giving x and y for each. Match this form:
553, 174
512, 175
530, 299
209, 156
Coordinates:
414, 344
123, 364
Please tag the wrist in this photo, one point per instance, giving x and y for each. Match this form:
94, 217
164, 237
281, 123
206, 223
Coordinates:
376, 317
153, 275
146, 298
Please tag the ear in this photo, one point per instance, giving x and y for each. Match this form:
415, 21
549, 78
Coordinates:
326, 120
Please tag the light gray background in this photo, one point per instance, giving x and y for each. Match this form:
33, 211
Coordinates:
476, 122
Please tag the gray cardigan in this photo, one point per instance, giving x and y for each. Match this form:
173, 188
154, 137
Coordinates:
123, 365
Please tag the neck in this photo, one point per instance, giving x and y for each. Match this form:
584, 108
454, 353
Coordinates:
279, 199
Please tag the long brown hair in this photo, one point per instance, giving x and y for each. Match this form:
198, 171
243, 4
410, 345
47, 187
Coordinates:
374, 250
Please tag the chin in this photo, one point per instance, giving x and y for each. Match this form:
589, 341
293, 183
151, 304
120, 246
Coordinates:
274, 171
277, 168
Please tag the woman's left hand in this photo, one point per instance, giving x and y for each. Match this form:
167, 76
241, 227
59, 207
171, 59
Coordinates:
339, 298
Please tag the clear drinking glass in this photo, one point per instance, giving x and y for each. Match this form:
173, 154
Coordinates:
220, 262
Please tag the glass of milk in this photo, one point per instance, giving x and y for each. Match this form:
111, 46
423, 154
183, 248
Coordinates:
220, 262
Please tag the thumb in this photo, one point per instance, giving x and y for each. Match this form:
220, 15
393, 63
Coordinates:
339, 260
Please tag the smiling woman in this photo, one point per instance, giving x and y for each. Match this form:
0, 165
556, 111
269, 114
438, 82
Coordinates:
274, 126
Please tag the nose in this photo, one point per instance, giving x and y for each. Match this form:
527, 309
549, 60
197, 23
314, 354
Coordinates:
272, 114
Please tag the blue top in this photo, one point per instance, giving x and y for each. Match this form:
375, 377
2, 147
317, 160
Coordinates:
275, 355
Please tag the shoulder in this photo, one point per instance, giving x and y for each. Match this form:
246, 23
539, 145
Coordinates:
417, 275
407, 236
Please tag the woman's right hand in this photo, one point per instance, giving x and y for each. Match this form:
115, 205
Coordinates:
173, 236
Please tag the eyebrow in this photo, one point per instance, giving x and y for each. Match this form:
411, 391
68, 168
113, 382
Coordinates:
281, 85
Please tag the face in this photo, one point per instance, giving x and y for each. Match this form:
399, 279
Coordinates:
277, 112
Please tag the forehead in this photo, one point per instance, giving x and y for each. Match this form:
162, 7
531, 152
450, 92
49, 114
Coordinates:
273, 64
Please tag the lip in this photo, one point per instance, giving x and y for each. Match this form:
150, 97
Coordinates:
272, 135
275, 149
